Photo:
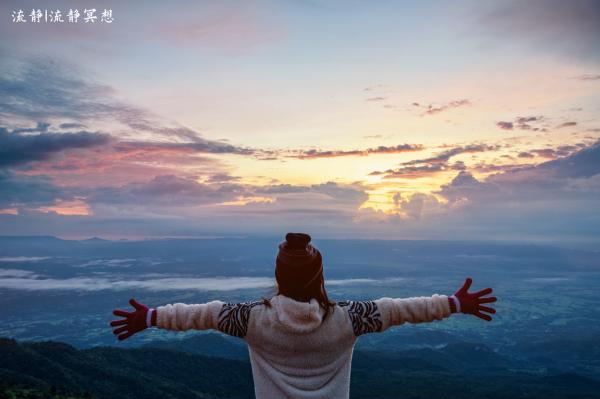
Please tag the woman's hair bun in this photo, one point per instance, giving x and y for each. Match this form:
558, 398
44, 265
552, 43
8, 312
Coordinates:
297, 240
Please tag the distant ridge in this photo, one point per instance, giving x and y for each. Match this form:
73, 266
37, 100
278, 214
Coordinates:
94, 239
27, 237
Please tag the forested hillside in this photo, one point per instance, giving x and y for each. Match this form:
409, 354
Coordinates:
59, 371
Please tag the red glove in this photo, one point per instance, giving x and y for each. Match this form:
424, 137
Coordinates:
464, 302
134, 322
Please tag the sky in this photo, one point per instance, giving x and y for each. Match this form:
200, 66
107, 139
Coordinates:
343, 119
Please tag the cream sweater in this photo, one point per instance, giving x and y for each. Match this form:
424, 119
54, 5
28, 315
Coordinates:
293, 352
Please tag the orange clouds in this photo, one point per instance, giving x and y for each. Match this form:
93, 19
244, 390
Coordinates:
76, 207
9, 211
310, 154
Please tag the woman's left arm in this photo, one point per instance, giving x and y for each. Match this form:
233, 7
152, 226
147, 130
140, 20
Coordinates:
395, 311
182, 317
380, 314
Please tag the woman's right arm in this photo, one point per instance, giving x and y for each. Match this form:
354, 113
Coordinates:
397, 311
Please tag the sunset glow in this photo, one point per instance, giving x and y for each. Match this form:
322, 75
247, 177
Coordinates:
330, 117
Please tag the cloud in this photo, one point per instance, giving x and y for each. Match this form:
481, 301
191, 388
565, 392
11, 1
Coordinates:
523, 123
24, 280
198, 146
489, 168
505, 125
353, 194
545, 153
568, 177
436, 109
22, 259
166, 190
120, 163
409, 172
17, 190
566, 124
41, 127
184, 200
16, 273
549, 280
43, 88
551, 200
75, 207
348, 193
376, 98
121, 263
584, 163
162, 284
463, 186
221, 178
560, 151
72, 125
555, 200
444, 156
525, 154
416, 205
17, 148
398, 149
440, 162
176, 195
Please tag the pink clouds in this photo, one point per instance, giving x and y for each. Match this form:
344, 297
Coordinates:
9, 211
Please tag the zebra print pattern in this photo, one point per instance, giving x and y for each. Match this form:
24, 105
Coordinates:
364, 315
233, 318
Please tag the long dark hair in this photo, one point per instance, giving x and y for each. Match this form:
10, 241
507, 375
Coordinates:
315, 290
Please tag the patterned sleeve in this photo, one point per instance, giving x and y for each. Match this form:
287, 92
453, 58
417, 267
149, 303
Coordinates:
383, 313
364, 315
234, 317
229, 318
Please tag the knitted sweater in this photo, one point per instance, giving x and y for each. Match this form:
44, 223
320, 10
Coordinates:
294, 353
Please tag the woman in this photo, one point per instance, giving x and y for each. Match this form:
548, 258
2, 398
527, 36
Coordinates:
300, 343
